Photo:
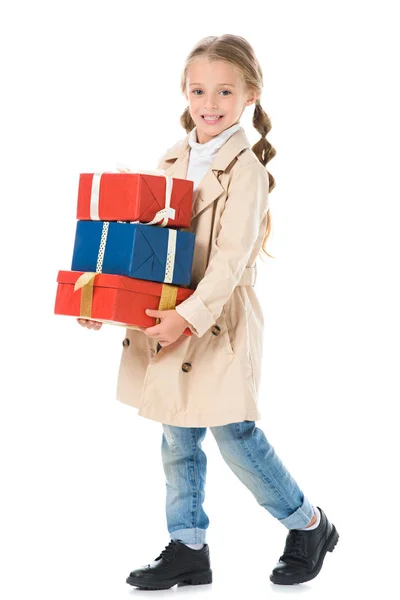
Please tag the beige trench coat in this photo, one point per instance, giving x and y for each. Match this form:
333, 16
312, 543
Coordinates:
212, 377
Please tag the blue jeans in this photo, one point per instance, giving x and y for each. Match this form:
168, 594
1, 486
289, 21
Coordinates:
251, 457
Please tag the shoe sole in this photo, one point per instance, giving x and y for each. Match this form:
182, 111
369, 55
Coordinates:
328, 547
188, 578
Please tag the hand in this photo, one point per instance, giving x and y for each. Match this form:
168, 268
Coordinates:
89, 324
170, 328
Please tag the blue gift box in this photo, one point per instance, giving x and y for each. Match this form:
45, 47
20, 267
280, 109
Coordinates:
142, 251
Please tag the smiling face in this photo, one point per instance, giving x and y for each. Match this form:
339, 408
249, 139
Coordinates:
215, 89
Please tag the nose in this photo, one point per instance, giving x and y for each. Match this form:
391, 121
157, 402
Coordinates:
210, 103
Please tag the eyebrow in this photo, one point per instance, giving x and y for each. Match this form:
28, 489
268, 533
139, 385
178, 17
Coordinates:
230, 84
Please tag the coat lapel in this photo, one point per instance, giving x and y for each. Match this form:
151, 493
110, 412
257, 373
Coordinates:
210, 188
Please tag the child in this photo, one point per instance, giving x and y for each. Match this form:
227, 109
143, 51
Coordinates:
211, 379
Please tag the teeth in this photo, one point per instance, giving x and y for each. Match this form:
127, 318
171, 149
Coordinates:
211, 118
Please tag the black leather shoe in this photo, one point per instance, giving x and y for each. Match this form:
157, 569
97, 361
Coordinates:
304, 553
177, 563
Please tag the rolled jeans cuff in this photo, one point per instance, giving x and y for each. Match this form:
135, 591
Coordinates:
190, 536
300, 517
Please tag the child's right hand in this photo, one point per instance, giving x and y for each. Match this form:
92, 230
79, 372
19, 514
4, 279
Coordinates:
90, 324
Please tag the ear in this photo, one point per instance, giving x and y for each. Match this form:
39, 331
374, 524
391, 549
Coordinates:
252, 97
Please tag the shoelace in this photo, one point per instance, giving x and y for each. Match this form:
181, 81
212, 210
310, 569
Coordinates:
169, 551
295, 548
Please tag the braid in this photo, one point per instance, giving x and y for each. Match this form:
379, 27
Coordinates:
187, 121
264, 152
263, 149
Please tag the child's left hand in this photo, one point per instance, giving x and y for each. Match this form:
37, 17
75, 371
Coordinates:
170, 328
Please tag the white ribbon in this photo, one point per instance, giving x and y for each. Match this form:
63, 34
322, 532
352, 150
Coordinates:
102, 247
94, 197
162, 215
171, 252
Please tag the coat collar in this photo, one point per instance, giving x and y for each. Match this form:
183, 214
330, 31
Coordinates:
210, 187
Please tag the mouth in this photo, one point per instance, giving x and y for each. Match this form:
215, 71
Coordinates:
212, 118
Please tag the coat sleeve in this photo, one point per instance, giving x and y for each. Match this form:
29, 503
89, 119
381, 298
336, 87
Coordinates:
245, 209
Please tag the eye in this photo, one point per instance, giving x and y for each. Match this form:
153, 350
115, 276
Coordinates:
193, 92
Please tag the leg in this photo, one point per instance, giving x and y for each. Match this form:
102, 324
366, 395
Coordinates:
185, 466
252, 458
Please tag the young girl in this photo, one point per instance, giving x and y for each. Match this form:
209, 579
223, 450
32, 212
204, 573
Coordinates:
211, 379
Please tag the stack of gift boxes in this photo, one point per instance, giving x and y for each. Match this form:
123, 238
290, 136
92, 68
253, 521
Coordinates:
130, 251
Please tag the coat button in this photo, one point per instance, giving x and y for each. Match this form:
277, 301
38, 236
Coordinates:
215, 329
186, 367
126, 342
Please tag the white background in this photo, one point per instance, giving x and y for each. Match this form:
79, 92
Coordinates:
86, 84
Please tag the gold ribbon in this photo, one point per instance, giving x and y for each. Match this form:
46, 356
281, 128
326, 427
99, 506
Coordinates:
85, 281
168, 298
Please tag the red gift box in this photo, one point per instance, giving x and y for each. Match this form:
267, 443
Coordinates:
134, 197
117, 299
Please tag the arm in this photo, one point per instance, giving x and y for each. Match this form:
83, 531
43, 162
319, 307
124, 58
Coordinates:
245, 209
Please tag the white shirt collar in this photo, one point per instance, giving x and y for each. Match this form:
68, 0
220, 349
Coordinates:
213, 145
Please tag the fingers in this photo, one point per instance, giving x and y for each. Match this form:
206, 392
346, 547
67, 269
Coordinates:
89, 324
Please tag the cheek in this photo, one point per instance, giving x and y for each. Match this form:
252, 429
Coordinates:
194, 101
236, 103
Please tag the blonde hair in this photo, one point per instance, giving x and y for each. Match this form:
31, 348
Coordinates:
237, 51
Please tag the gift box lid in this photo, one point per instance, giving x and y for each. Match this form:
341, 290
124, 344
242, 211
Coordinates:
121, 175
123, 282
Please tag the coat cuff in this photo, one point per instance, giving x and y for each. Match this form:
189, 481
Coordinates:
197, 314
